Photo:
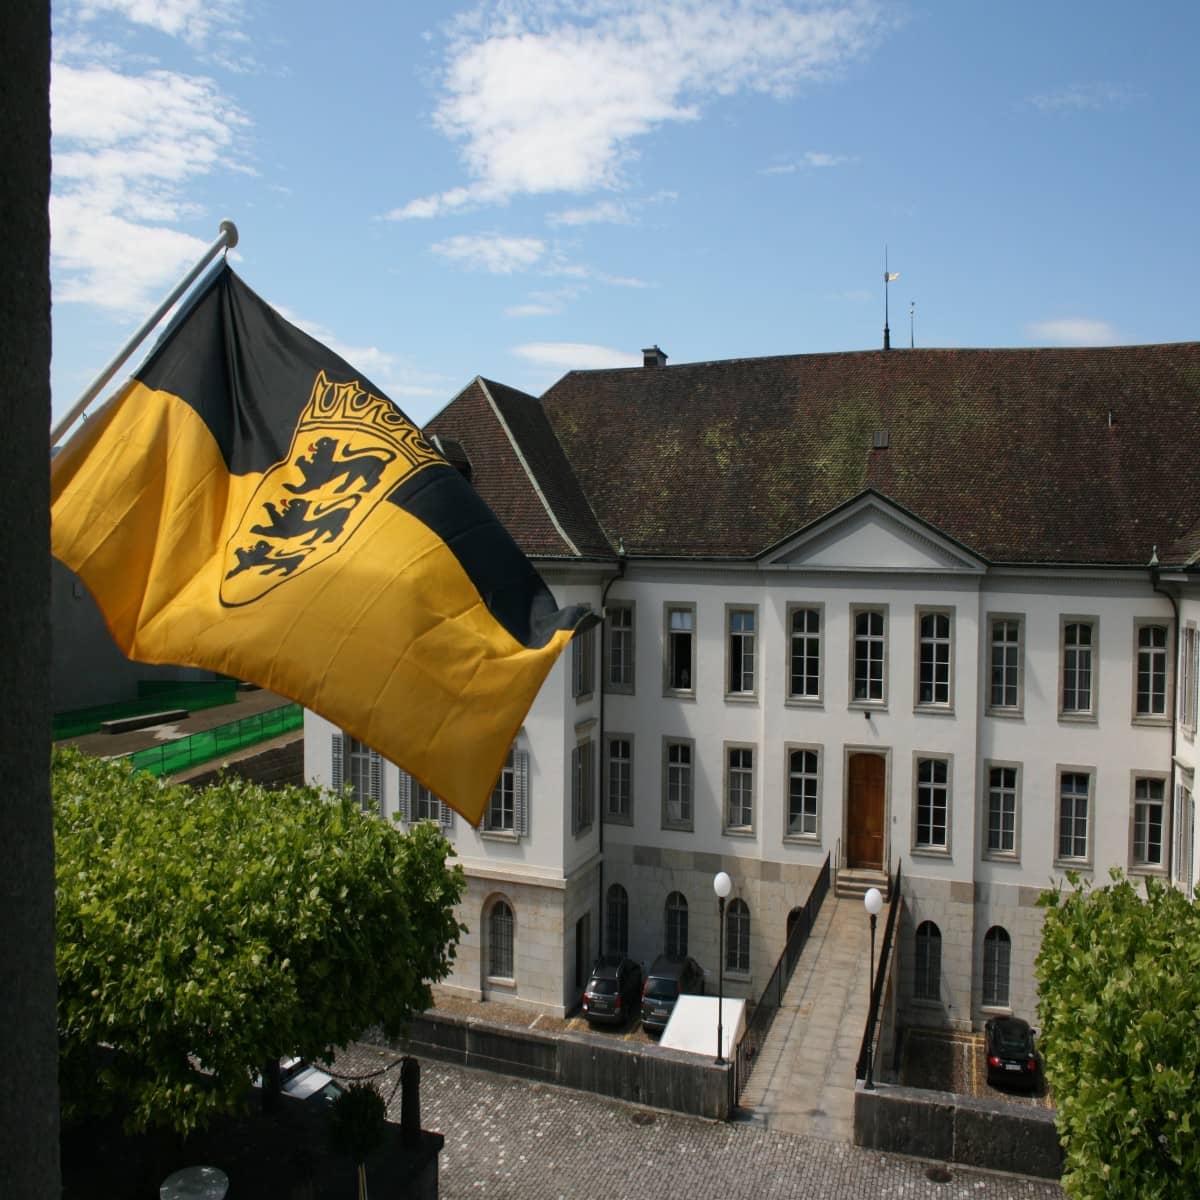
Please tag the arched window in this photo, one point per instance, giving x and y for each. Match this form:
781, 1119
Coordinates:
927, 983
616, 931
737, 937
997, 955
677, 925
500, 941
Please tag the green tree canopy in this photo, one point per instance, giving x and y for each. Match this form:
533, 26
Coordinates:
227, 927
1119, 983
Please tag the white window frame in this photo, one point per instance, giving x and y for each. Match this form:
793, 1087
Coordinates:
612, 817
995, 1001
1164, 655
946, 762
801, 835
1079, 712
355, 765
738, 932
513, 777
583, 664
583, 786
685, 822
741, 652
511, 950
990, 852
990, 706
815, 698
746, 777
624, 635
936, 642
412, 794
669, 689
1074, 861
879, 702
1189, 671
1141, 783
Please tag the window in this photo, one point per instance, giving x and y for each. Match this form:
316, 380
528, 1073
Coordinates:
934, 659
1074, 793
1004, 683
500, 941
616, 930
582, 652
583, 949
426, 806
927, 962
582, 799
1149, 803
1002, 810
997, 957
507, 813
677, 785
737, 937
418, 803
739, 789
740, 676
360, 768
933, 803
677, 925
804, 791
869, 676
804, 678
1189, 668
620, 648
1183, 823
1078, 684
619, 784
1150, 688
681, 625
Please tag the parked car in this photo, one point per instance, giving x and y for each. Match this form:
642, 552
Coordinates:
306, 1082
614, 990
1011, 1053
669, 978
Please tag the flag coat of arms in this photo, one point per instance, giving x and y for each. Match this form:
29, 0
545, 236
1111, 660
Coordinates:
250, 504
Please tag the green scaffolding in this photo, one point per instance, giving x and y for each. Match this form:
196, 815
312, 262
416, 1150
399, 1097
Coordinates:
216, 743
153, 696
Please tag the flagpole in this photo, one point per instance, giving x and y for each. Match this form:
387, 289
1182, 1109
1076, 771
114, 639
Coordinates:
227, 239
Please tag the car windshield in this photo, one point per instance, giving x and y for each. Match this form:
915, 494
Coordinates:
602, 987
662, 989
1012, 1039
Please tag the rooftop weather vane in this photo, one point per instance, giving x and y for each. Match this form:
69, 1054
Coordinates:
888, 277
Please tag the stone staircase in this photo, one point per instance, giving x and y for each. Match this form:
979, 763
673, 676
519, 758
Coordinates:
853, 882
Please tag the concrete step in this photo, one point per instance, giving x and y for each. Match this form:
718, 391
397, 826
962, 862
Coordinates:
853, 882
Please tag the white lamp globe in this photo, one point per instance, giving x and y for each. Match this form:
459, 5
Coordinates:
873, 901
722, 884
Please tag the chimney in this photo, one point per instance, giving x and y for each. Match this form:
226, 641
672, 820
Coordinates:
653, 357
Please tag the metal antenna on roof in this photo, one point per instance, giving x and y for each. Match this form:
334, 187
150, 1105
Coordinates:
912, 313
888, 276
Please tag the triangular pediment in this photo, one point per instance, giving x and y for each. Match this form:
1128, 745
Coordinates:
871, 534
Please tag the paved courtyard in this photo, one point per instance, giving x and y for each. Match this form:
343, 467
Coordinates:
509, 1138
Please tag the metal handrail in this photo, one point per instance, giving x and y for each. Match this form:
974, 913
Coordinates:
880, 972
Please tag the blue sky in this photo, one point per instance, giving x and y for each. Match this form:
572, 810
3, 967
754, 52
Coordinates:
518, 188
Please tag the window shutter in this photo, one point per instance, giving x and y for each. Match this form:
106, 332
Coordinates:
575, 790
521, 791
377, 782
445, 816
404, 799
338, 767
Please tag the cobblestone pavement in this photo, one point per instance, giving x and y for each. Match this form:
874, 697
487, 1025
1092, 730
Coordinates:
507, 1138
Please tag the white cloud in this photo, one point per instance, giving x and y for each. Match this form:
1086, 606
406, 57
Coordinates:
607, 212
546, 96
126, 149
815, 159
1083, 97
1073, 331
491, 252
192, 20
575, 356
545, 304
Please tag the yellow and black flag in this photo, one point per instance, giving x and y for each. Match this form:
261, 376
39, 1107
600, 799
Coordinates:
250, 504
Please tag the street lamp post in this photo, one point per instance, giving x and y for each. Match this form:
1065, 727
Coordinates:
722, 885
873, 902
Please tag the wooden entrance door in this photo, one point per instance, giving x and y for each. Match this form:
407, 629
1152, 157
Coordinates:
864, 811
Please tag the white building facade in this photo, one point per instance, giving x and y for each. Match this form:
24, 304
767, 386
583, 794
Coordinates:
869, 687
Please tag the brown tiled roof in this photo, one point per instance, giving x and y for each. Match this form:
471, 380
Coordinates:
534, 492
1010, 452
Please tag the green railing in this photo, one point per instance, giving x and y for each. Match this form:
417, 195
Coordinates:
216, 743
153, 696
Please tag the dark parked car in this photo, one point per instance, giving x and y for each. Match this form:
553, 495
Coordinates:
613, 990
669, 978
1011, 1055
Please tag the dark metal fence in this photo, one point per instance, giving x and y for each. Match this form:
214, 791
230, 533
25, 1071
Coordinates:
759, 1024
880, 973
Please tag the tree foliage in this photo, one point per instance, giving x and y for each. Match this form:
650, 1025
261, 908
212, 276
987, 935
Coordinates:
227, 927
1119, 981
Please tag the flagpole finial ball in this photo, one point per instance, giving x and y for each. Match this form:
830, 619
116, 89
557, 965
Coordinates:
229, 229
